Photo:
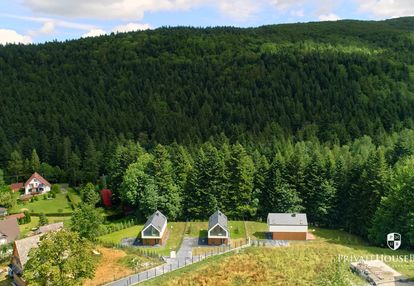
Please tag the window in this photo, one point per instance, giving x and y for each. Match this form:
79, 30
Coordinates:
151, 231
218, 231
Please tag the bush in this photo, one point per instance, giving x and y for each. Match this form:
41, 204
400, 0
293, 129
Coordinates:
55, 189
36, 198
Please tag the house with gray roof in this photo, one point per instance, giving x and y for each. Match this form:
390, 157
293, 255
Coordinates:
9, 230
49, 227
155, 229
288, 226
218, 231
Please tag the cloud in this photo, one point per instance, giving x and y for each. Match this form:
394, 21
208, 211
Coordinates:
131, 27
386, 8
108, 9
297, 13
94, 33
329, 17
12, 37
239, 10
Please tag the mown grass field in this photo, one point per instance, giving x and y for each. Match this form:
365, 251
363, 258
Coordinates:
60, 204
176, 232
302, 263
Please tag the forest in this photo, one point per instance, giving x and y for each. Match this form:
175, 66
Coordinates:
312, 117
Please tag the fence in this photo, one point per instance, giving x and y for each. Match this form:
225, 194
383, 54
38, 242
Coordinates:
173, 264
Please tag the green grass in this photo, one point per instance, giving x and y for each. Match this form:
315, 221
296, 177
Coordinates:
302, 263
117, 236
176, 230
256, 230
26, 228
60, 204
199, 229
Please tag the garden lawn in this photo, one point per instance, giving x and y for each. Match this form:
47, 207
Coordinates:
60, 204
302, 263
176, 231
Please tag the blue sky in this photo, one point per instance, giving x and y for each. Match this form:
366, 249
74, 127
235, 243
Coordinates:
37, 21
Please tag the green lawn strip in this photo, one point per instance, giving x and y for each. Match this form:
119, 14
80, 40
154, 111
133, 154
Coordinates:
256, 230
117, 236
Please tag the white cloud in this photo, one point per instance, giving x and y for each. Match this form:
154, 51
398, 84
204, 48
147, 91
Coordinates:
94, 33
329, 17
239, 10
297, 13
387, 8
12, 37
108, 9
131, 27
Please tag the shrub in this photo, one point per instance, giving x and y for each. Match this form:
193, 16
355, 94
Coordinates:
55, 189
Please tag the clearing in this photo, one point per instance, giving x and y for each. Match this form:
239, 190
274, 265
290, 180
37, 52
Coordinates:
302, 263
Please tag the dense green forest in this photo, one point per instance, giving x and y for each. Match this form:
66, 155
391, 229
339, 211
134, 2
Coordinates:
314, 117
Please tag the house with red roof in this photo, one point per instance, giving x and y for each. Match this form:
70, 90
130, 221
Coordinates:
16, 187
36, 184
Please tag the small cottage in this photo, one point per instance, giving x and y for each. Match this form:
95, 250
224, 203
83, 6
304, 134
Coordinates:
218, 232
155, 229
36, 184
288, 226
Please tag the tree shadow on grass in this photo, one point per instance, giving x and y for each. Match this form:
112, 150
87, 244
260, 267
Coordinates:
261, 235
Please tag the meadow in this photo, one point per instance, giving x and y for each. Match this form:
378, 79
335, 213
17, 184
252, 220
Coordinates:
317, 262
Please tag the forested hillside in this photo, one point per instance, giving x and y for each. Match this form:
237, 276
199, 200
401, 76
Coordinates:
310, 117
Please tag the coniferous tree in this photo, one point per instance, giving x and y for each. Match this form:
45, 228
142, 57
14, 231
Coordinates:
34, 162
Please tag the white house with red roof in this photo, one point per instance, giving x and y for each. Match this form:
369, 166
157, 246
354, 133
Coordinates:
36, 184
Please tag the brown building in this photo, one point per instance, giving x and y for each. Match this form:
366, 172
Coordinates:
155, 229
218, 232
288, 226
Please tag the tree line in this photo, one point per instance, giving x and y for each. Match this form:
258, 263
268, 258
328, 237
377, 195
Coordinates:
363, 188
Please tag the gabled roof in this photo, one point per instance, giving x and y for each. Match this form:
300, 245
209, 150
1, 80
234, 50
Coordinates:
287, 219
9, 229
38, 177
50, 227
217, 218
157, 220
23, 246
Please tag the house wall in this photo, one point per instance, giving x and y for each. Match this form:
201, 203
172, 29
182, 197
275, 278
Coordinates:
154, 241
288, 228
27, 188
289, 235
218, 241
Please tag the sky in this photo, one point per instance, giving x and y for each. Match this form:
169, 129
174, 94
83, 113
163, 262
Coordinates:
39, 21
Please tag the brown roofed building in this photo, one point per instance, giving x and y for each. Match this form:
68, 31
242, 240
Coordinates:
36, 184
16, 187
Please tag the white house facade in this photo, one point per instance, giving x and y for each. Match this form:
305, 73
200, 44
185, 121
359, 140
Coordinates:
36, 184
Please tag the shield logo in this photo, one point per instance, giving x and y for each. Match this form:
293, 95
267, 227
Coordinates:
394, 240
